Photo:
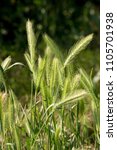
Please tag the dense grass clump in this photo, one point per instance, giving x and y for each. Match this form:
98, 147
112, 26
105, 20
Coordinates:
63, 110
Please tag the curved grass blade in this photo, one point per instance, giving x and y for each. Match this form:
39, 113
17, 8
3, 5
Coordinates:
15, 64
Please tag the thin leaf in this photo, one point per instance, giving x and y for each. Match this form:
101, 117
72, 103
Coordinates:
16, 136
28, 60
2, 78
15, 64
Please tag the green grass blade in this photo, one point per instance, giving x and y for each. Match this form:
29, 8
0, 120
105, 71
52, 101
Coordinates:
16, 137
2, 78
87, 84
15, 64
28, 60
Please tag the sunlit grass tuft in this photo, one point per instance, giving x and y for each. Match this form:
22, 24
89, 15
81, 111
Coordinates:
63, 110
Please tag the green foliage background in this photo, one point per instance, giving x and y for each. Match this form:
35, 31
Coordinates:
65, 21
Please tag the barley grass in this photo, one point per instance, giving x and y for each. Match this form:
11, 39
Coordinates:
63, 109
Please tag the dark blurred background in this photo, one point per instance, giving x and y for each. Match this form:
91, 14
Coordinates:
65, 21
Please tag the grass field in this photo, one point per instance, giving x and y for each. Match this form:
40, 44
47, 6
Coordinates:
62, 112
